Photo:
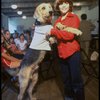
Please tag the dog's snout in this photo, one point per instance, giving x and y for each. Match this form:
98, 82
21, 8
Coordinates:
50, 12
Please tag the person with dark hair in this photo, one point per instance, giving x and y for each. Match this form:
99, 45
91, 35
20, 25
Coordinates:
13, 51
68, 51
86, 27
22, 43
83, 16
9, 63
7, 34
7, 59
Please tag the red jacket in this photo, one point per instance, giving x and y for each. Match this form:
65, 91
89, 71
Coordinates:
65, 48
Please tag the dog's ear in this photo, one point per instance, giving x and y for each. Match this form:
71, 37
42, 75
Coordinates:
37, 14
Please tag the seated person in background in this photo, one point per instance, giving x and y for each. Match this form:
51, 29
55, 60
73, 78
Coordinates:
22, 43
8, 60
13, 48
12, 44
86, 27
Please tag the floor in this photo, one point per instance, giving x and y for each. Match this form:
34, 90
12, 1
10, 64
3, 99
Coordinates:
51, 89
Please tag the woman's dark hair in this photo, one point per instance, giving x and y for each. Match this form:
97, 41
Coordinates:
21, 35
83, 16
6, 31
58, 2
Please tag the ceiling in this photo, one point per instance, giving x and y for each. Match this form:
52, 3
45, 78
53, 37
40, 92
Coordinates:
28, 6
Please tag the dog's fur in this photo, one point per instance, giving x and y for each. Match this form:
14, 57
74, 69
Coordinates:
28, 67
42, 12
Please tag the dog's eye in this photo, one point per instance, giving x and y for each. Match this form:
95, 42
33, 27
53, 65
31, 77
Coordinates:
43, 8
49, 6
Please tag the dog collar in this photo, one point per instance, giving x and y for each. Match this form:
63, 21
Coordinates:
39, 23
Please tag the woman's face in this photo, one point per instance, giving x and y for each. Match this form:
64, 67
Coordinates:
64, 7
21, 37
7, 35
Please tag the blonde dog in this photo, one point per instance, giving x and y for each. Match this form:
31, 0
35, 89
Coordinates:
43, 12
28, 74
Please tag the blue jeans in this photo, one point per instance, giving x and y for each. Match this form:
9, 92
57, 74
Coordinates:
71, 77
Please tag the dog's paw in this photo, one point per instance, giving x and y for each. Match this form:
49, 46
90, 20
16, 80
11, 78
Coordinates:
60, 26
73, 30
52, 40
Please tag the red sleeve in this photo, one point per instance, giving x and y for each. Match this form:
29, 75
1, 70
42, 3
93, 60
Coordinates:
75, 22
61, 34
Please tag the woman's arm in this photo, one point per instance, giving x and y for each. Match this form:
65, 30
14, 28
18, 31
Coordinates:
74, 22
8, 57
61, 34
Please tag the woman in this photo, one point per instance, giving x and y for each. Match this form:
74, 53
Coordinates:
9, 62
69, 51
22, 43
15, 52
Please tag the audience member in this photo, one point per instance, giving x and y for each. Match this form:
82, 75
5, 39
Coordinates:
7, 35
8, 60
22, 43
86, 27
14, 51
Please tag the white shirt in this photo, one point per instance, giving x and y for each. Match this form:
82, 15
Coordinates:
21, 45
39, 41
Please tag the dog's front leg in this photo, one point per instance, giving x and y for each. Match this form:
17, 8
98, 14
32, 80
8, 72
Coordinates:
32, 84
24, 77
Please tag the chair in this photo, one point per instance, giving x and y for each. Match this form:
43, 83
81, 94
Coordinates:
8, 81
46, 69
86, 64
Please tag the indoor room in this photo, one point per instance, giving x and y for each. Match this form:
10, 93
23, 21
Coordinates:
50, 49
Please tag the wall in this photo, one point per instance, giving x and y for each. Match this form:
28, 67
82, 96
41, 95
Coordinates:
17, 22
92, 14
4, 21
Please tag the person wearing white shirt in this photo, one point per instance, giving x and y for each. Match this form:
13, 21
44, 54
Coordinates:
21, 43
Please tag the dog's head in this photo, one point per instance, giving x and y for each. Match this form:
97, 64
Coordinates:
43, 12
